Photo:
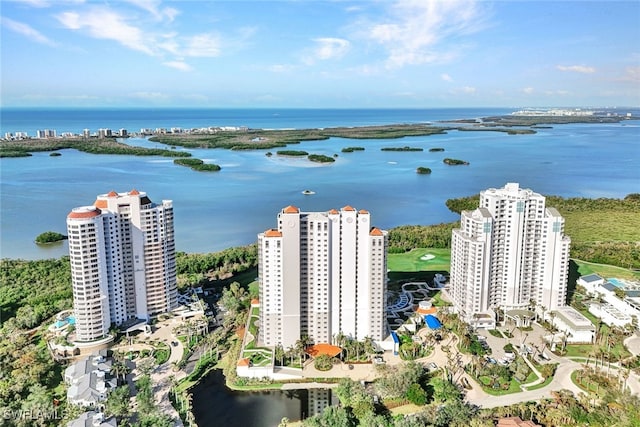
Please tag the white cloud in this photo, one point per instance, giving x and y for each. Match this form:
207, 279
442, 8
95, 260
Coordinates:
528, 90
202, 45
280, 68
632, 74
576, 68
178, 65
557, 92
26, 30
103, 23
419, 28
467, 90
35, 3
153, 7
446, 77
327, 48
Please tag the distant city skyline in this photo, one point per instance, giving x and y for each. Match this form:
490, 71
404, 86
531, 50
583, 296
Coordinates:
319, 54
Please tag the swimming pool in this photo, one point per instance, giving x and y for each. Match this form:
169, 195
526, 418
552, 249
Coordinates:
616, 283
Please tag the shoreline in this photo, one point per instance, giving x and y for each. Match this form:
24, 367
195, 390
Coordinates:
244, 138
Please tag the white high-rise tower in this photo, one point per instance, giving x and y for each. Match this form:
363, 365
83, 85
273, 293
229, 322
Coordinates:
320, 274
510, 253
123, 266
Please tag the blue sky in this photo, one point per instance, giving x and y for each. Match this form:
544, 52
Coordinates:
409, 53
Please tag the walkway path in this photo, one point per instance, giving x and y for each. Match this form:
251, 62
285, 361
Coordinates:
161, 375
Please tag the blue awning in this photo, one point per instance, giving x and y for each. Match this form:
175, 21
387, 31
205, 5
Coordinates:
395, 338
432, 321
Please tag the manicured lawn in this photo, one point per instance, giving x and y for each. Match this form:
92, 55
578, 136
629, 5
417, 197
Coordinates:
411, 261
514, 387
583, 350
438, 301
606, 271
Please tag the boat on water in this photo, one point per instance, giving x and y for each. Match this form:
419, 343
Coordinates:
308, 192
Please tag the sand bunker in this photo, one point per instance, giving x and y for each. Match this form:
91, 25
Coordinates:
427, 257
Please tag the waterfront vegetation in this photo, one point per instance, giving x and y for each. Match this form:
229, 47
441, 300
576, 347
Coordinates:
13, 153
405, 148
294, 153
454, 162
197, 165
352, 149
423, 171
92, 146
320, 158
49, 237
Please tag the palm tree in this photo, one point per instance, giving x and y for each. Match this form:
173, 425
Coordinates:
278, 354
119, 367
369, 346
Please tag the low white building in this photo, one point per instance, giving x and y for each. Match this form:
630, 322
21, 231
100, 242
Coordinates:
609, 314
590, 282
575, 327
614, 311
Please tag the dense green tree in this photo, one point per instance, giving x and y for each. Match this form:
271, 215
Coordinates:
416, 394
118, 402
332, 416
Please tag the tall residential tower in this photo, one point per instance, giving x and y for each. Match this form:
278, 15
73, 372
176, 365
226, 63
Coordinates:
510, 254
321, 274
123, 265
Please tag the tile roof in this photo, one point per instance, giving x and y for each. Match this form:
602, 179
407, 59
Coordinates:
323, 348
291, 209
100, 203
376, 232
84, 212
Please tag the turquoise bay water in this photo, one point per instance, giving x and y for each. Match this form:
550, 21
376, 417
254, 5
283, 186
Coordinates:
217, 210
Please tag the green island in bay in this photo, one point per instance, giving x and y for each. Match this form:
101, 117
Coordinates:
405, 148
293, 153
436, 149
352, 149
423, 171
320, 158
454, 162
197, 165
49, 237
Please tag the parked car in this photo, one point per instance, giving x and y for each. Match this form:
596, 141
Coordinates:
432, 366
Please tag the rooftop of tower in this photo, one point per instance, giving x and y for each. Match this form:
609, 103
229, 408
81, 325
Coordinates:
84, 212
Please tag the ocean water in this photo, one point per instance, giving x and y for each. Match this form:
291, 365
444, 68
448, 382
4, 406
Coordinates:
227, 208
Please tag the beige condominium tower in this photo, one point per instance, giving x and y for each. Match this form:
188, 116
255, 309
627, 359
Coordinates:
511, 254
123, 266
321, 274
